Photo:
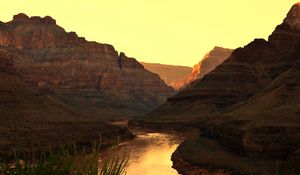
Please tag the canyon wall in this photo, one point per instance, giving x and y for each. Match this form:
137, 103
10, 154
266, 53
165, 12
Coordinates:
173, 75
91, 77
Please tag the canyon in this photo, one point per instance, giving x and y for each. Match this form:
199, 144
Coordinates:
58, 88
248, 108
241, 105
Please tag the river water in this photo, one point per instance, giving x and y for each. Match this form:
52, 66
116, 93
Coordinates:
150, 153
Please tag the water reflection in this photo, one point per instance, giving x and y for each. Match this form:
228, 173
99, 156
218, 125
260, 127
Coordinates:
150, 153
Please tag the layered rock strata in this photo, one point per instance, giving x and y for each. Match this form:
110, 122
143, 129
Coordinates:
87, 75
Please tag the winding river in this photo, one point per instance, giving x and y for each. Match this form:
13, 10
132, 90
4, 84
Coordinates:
150, 153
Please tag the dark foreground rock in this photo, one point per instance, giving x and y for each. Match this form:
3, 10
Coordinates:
199, 155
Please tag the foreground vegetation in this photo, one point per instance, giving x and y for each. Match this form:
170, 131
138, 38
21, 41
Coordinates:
66, 162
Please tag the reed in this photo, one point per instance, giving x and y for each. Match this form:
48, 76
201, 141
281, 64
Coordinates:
64, 162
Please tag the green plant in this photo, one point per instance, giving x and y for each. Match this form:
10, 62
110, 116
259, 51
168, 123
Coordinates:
87, 164
115, 165
63, 163
59, 163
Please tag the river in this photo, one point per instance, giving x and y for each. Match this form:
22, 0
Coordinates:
150, 153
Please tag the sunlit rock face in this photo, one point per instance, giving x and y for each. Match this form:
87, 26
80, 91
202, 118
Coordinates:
209, 62
87, 75
293, 17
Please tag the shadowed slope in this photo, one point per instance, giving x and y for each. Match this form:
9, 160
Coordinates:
29, 118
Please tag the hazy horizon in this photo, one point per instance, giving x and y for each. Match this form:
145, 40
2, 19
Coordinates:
156, 31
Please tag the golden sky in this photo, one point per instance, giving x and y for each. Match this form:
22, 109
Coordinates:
177, 32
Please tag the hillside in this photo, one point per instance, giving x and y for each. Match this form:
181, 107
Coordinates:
29, 118
58, 89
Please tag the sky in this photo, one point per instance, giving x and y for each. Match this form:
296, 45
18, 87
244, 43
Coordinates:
176, 32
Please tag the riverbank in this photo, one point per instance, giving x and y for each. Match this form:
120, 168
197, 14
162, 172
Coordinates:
200, 155
161, 125
53, 135
150, 152
231, 146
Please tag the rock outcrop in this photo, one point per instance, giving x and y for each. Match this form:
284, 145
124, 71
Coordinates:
173, 75
88, 76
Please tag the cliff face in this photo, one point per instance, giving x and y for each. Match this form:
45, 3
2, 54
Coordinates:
80, 73
173, 75
209, 62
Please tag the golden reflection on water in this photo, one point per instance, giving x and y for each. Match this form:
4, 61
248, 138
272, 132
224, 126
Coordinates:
150, 154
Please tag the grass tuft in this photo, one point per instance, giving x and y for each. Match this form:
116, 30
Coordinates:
62, 162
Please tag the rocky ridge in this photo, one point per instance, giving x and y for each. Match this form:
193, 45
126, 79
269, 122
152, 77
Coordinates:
83, 74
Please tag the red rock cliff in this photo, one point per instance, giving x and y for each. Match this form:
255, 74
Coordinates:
87, 75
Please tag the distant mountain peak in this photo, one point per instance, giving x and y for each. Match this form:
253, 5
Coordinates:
293, 17
208, 63
219, 48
